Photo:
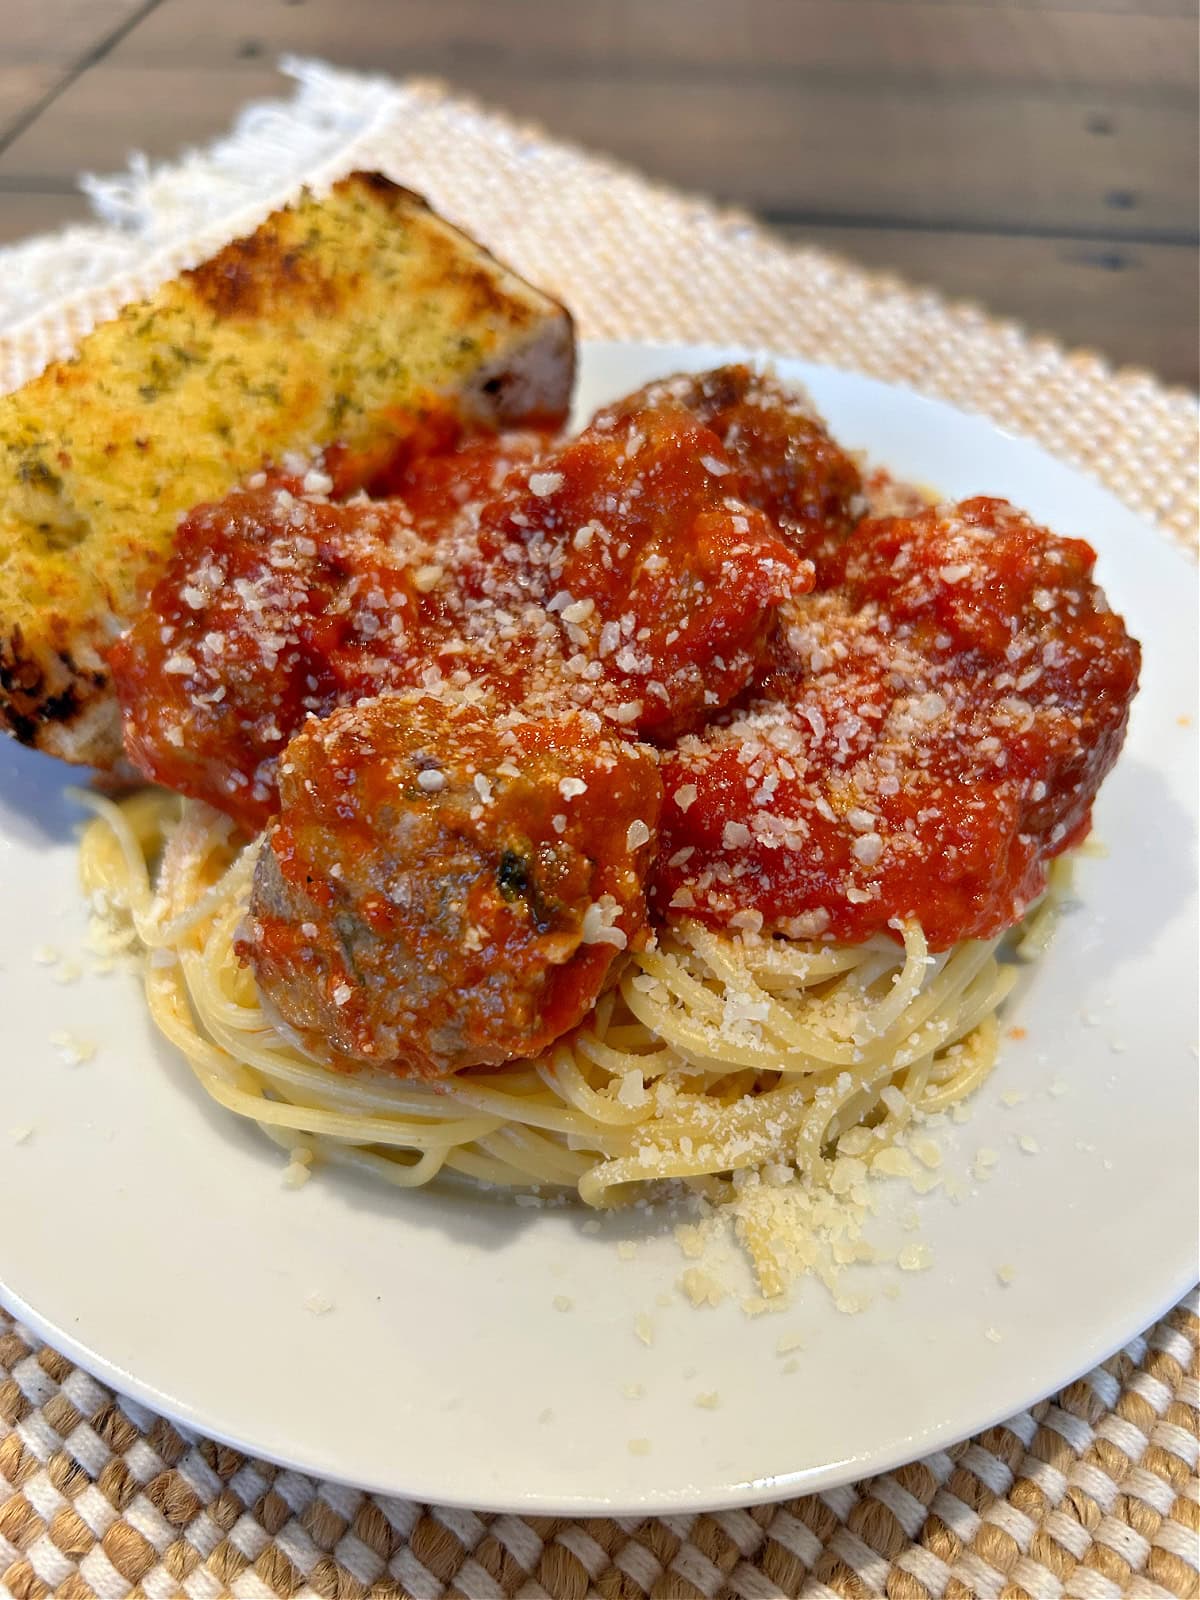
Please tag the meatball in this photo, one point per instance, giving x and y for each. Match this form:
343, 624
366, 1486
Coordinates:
665, 585
273, 607
982, 583
932, 733
447, 885
784, 460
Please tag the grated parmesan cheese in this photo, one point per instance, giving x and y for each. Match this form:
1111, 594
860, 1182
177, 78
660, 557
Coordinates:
72, 1049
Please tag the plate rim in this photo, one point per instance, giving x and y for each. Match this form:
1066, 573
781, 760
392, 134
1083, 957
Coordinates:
755, 1492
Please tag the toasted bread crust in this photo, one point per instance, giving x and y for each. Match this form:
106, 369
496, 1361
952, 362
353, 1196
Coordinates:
332, 320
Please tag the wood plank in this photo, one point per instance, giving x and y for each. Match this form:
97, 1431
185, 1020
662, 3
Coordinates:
22, 215
107, 113
1022, 160
60, 31
1134, 303
1150, 8
22, 85
919, 42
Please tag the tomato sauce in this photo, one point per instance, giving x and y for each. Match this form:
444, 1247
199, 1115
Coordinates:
931, 731
914, 737
615, 572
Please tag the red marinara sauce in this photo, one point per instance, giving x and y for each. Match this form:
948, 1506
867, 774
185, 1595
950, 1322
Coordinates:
666, 583
273, 608
915, 739
932, 731
615, 573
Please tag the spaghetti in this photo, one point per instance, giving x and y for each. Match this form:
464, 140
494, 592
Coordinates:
713, 1054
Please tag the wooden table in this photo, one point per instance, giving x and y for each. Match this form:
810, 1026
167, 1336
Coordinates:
1037, 155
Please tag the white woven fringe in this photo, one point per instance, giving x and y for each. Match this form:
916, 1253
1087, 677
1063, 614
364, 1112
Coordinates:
159, 217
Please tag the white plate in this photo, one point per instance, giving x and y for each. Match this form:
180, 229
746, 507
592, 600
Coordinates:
145, 1232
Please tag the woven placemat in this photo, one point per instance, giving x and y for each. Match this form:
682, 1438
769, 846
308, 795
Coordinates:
1089, 1495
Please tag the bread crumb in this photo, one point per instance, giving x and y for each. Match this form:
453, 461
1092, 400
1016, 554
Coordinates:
318, 1303
708, 1402
563, 1302
1029, 1144
633, 1391
639, 1447
1006, 1273
787, 1342
45, 955
993, 1334
790, 1366
295, 1175
1014, 1097
626, 1249
21, 1135
643, 1327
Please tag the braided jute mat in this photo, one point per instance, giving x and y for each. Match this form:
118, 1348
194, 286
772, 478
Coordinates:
1090, 1494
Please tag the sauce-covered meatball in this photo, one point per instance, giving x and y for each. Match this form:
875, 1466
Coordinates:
783, 459
448, 886
665, 584
274, 607
933, 732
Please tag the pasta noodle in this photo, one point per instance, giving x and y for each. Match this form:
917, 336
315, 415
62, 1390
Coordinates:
714, 1053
